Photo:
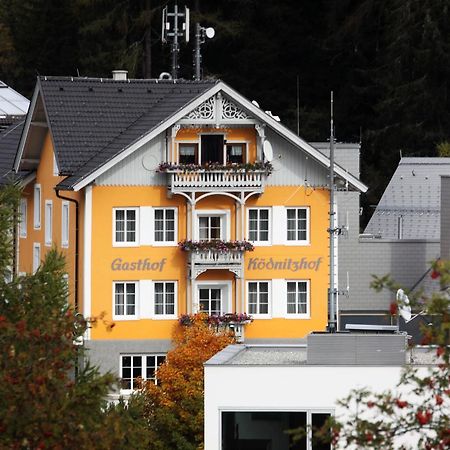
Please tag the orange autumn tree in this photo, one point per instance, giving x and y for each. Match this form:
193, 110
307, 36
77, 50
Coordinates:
174, 407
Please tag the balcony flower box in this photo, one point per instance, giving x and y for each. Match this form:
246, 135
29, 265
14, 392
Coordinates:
231, 322
258, 166
218, 246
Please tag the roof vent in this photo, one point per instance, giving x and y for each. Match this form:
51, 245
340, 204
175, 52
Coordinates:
120, 75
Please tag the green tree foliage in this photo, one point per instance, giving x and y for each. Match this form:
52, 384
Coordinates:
174, 406
42, 403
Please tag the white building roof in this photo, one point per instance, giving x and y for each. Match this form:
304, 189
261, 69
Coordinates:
11, 102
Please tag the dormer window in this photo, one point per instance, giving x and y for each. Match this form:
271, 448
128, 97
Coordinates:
188, 153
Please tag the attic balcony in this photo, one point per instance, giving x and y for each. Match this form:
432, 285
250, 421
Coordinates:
216, 255
191, 178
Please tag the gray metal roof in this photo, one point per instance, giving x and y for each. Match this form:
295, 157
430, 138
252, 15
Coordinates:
11, 102
93, 119
278, 355
413, 195
9, 141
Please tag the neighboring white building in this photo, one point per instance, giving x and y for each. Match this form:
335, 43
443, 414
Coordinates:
254, 393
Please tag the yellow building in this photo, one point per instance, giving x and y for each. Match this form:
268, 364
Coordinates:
125, 170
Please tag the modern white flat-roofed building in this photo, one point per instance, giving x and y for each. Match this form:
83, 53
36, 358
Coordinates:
253, 394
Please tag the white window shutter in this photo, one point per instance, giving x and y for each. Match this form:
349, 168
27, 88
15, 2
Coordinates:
146, 225
278, 298
146, 299
279, 226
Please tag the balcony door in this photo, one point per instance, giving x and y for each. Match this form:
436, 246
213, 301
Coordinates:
212, 148
210, 300
213, 297
211, 225
210, 228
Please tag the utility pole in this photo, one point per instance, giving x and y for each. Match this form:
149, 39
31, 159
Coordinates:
332, 321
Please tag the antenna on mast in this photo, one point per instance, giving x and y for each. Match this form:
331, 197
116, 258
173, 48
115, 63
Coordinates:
201, 33
332, 319
174, 25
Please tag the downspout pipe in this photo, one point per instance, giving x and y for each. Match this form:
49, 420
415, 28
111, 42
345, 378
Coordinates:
77, 242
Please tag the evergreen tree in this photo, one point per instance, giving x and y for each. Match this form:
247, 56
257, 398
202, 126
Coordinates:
48, 399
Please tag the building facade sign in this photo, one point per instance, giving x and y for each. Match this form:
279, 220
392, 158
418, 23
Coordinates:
290, 264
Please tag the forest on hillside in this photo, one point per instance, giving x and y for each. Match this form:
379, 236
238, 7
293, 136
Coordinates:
387, 61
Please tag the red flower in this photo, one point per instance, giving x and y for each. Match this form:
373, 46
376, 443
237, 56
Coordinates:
401, 403
393, 309
423, 417
370, 404
369, 436
435, 274
439, 400
440, 351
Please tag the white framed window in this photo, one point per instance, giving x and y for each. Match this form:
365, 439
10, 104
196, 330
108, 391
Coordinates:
37, 207
297, 225
259, 225
65, 208
297, 298
23, 218
258, 298
125, 299
125, 226
212, 225
165, 298
36, 256
165, 226
48, 222
139, 366
213, 297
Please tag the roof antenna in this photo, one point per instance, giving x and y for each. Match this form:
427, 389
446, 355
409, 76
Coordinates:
171, 31
201, 33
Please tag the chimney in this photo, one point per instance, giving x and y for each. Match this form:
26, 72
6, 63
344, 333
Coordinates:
120, 75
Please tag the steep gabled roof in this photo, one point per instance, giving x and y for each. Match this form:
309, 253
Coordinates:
414, 194
91, 119
95, 123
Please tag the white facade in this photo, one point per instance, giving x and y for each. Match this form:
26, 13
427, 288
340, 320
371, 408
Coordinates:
284, 388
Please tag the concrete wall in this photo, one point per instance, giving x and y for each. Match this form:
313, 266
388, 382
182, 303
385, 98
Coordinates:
405, 260
105, 354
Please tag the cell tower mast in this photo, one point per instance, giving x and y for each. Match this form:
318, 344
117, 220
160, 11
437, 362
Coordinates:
175, 25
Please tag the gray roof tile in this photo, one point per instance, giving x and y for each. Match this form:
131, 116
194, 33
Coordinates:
94, 119
413, 193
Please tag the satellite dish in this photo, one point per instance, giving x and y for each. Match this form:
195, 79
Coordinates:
267, 150
255, 103
404, 308
210, 32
